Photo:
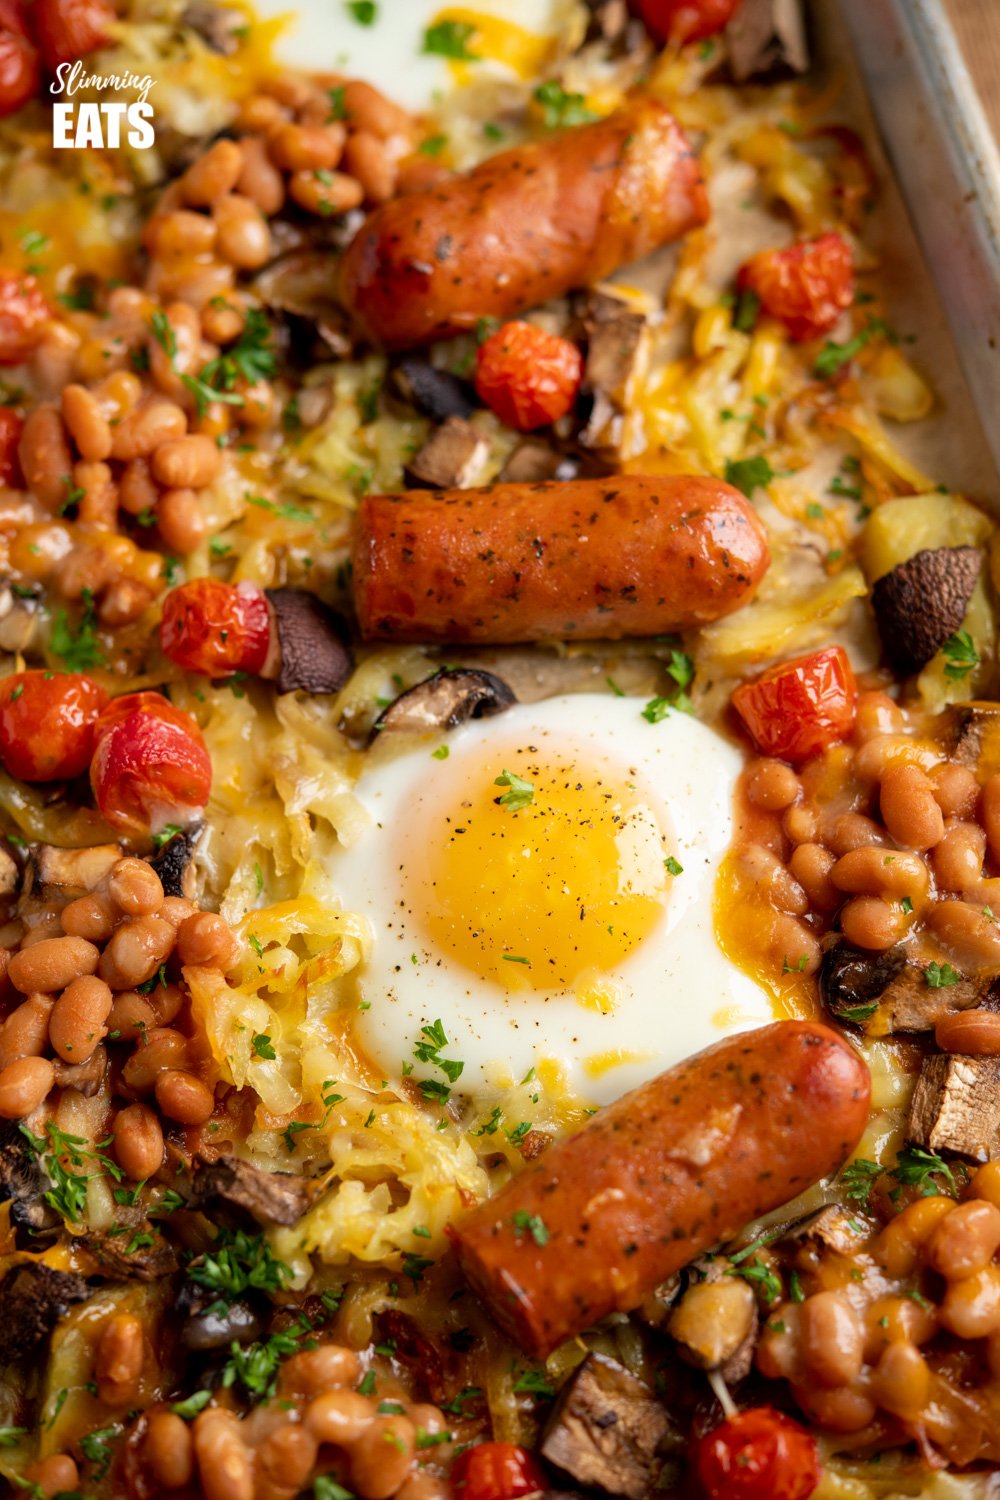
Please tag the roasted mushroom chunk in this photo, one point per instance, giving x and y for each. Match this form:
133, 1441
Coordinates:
767, 34
111, 1257
312, 643
605, 1429
616, 352
956, 1106
68, 872
268, 1197
10, 873
449, 698
920, 603
888, 992
34, 1298
174, 863
534, 462
219, 1327
23, 1184
435, 393
715, 1322
973, 735
451, 459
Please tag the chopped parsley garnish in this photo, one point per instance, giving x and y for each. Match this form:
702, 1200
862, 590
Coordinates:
288, 511
760, 1275
858, 1178
250, 359
450, 39
68, 1194
367, 1385
656, 710
96, 1449
747, 311
263, 1046
749, 474
365, 12
330, 1098
163, 334
74, 494
525, 1223
454, 1408
534, 1383
833, 356
858, 1013
560, 108
441, 753
325, 1487
192, 1405
961, 655
79, 651
918, 1168
673, 866
338, 109
239, 1262
428, 1050
941, 976
11, 1436
256, 1367
520, 794
414, 1266
433, 145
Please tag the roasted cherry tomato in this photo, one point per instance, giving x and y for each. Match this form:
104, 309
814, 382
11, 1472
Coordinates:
685, 20
47, 724
68, 29
806, 287
11, 424
495, 1471
527, 376
757, 1455
20, 74
150, 765
799, 707
216, 628
23, 312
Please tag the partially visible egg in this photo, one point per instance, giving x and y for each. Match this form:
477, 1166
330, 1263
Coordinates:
541, 884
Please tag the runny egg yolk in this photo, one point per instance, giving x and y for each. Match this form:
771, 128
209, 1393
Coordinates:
546, 886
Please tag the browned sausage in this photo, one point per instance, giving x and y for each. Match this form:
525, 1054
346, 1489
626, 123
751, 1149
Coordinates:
586, 559
657, 1178
524, 226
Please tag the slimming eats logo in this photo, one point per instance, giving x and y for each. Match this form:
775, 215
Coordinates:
78, 124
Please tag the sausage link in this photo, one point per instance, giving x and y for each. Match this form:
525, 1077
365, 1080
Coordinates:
522, 227
593, 559
659, 1176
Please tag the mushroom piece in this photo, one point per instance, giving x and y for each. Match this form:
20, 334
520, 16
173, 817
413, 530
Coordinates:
534, 462
973, 734
268, 1197
86, 1077
605, 1428
219, 1327
35, 1297
832, 1227
146, 1263
436, 393
617, 348
918, 604
451, 459
888, 992
298, 284
452, 696
10, 873
19, 618
174, 863
312, 650
68, 872
715, 1324
766, 34
23, 1184
956, 1106
216, 25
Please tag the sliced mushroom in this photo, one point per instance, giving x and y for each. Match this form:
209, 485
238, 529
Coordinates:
715, 1325
268, 1197
617, 349
218, 1327
68, 872
973, 735
111, 1257
23, 1184
436, 393
767, 34
833, 1227
449, 698
534, 462
451, 459
605, 1429
956, 1105
312, 650
34, 1298
174, 863
86, 1077
921, 602
888, 992
299, 285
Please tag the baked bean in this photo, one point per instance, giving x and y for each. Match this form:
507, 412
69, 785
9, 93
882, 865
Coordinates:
321, 1369
88, 427
307, 148
831, 1339
417, 173
97, 500
168, 1450
142, 431
23, 1085
778, 1350
368, 160
206, 940
285, 1459
419, 1485
257, 410
223, 1460
810, 864
180, 233
970, 1033
119, 1359
135, 951
840, 1410
971, 1307
428, 1418
91, 917
45, 458
53, 1475
793, 947
869, 922
176, 910
326, 193
989, 811
181, 521
82, 569
899, 1244
137, 493
339, 1417
123, 602
161, 1048
892, 1320
367, 109
853, 830
51, 965
909, 808
801, 823
767, 872
292, 90
260, 180
77, 1021
25, 1033
261, 113
971, 933
131, 1016
138, 1142
244, 238
877, 715
135, 888
222, 321
965, 1240
876, 871
382, 1456
189, 462
957, 860
183, 1097
166, 1000
901, 1381
182, 334
985, 1182
890, 751
771, 784
956, 790
40, 925
212, 175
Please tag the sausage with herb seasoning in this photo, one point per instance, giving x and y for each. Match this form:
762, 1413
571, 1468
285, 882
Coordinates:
585, 559
660, 1176
522, 227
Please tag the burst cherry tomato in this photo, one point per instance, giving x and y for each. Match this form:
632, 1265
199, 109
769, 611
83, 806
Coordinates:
68, 29
495, 1471
685, 20
10, 435
757, 1455
23, 312
799, 707
806, 287
47, 724
216, 628
150, 765
20, 74
527, 376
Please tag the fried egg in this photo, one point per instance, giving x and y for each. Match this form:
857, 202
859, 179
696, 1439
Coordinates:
540, 888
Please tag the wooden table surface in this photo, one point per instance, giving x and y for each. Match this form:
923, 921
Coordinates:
977, 25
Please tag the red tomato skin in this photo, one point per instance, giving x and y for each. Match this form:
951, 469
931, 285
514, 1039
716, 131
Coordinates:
11, 423
528, 377
798, 708
495, 1471
47, 724
20, 74
150, 765
806, 287
759, 1454
68, 29
216, 628
680, 21
23, 313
